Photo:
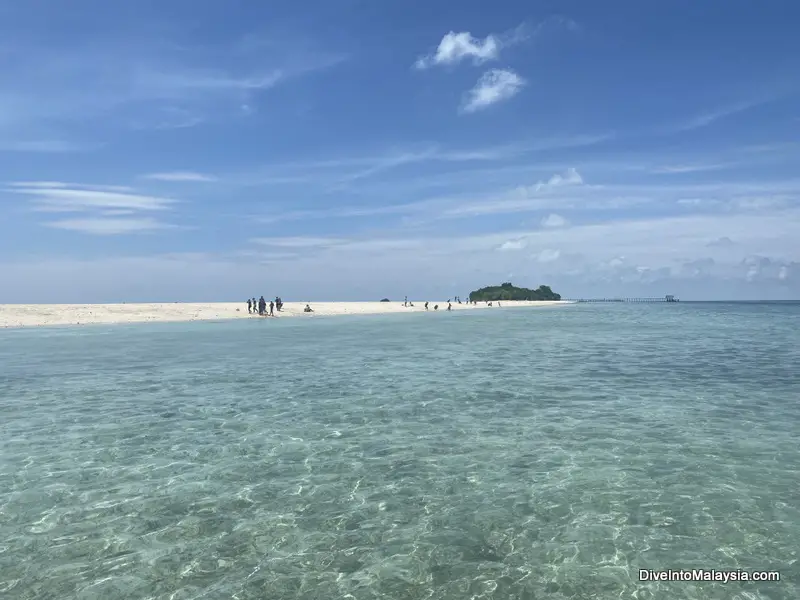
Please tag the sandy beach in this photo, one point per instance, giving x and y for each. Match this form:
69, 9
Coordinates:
38, 315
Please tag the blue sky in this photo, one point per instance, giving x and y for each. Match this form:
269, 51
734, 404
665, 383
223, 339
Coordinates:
353, 149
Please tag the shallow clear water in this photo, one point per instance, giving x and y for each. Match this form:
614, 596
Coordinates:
509, 453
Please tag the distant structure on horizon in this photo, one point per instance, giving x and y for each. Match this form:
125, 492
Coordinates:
667, 298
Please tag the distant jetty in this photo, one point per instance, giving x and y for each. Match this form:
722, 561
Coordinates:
667, 298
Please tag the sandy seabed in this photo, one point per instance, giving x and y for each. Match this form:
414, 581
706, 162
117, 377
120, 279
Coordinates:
37, 315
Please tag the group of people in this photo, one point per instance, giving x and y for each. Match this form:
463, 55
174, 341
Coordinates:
449, 303
259, 307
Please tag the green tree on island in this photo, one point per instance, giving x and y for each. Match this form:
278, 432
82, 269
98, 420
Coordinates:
507, 291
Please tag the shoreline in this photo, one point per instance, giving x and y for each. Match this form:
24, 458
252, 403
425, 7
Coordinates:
15, 316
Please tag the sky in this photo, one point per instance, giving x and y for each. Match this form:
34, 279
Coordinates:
201, 150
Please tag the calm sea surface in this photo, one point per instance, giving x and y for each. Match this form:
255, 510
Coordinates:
497, 454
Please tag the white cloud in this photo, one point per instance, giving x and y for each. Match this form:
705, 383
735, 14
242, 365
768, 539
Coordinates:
571, 177
107, 210
513, 245
341, 245
690, 168
76, 200
554, 220
180, 176
547, 255
298, 242
636, 257
40, 184
723, 242
494, 86
117, 212
109, 226
521, 199
649, 257
63, 185
455, 47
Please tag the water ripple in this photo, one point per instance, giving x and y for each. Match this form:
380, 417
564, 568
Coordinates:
523, 454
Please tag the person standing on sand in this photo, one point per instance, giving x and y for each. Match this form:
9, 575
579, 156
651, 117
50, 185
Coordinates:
249, 307
262, 306
426, 306
271, 308
405, 302
449, 306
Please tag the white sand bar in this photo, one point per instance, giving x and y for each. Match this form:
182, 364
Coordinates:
33, 315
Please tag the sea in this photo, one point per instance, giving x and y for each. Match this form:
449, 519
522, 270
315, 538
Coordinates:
605, 452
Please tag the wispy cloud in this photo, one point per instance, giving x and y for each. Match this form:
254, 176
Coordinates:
143, 83
77, 200
107, 210
181, 176
34, 185
109, 226
349, 169
709, 117
46, 146
299, 242
690, 168
494, 86
567, 193
518, 199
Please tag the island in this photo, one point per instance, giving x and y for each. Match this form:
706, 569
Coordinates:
506, 291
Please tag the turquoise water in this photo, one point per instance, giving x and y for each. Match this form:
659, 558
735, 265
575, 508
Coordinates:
498, 454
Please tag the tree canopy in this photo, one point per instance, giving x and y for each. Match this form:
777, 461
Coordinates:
506, 291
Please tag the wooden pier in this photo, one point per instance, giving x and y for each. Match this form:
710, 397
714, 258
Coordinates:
593, 300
